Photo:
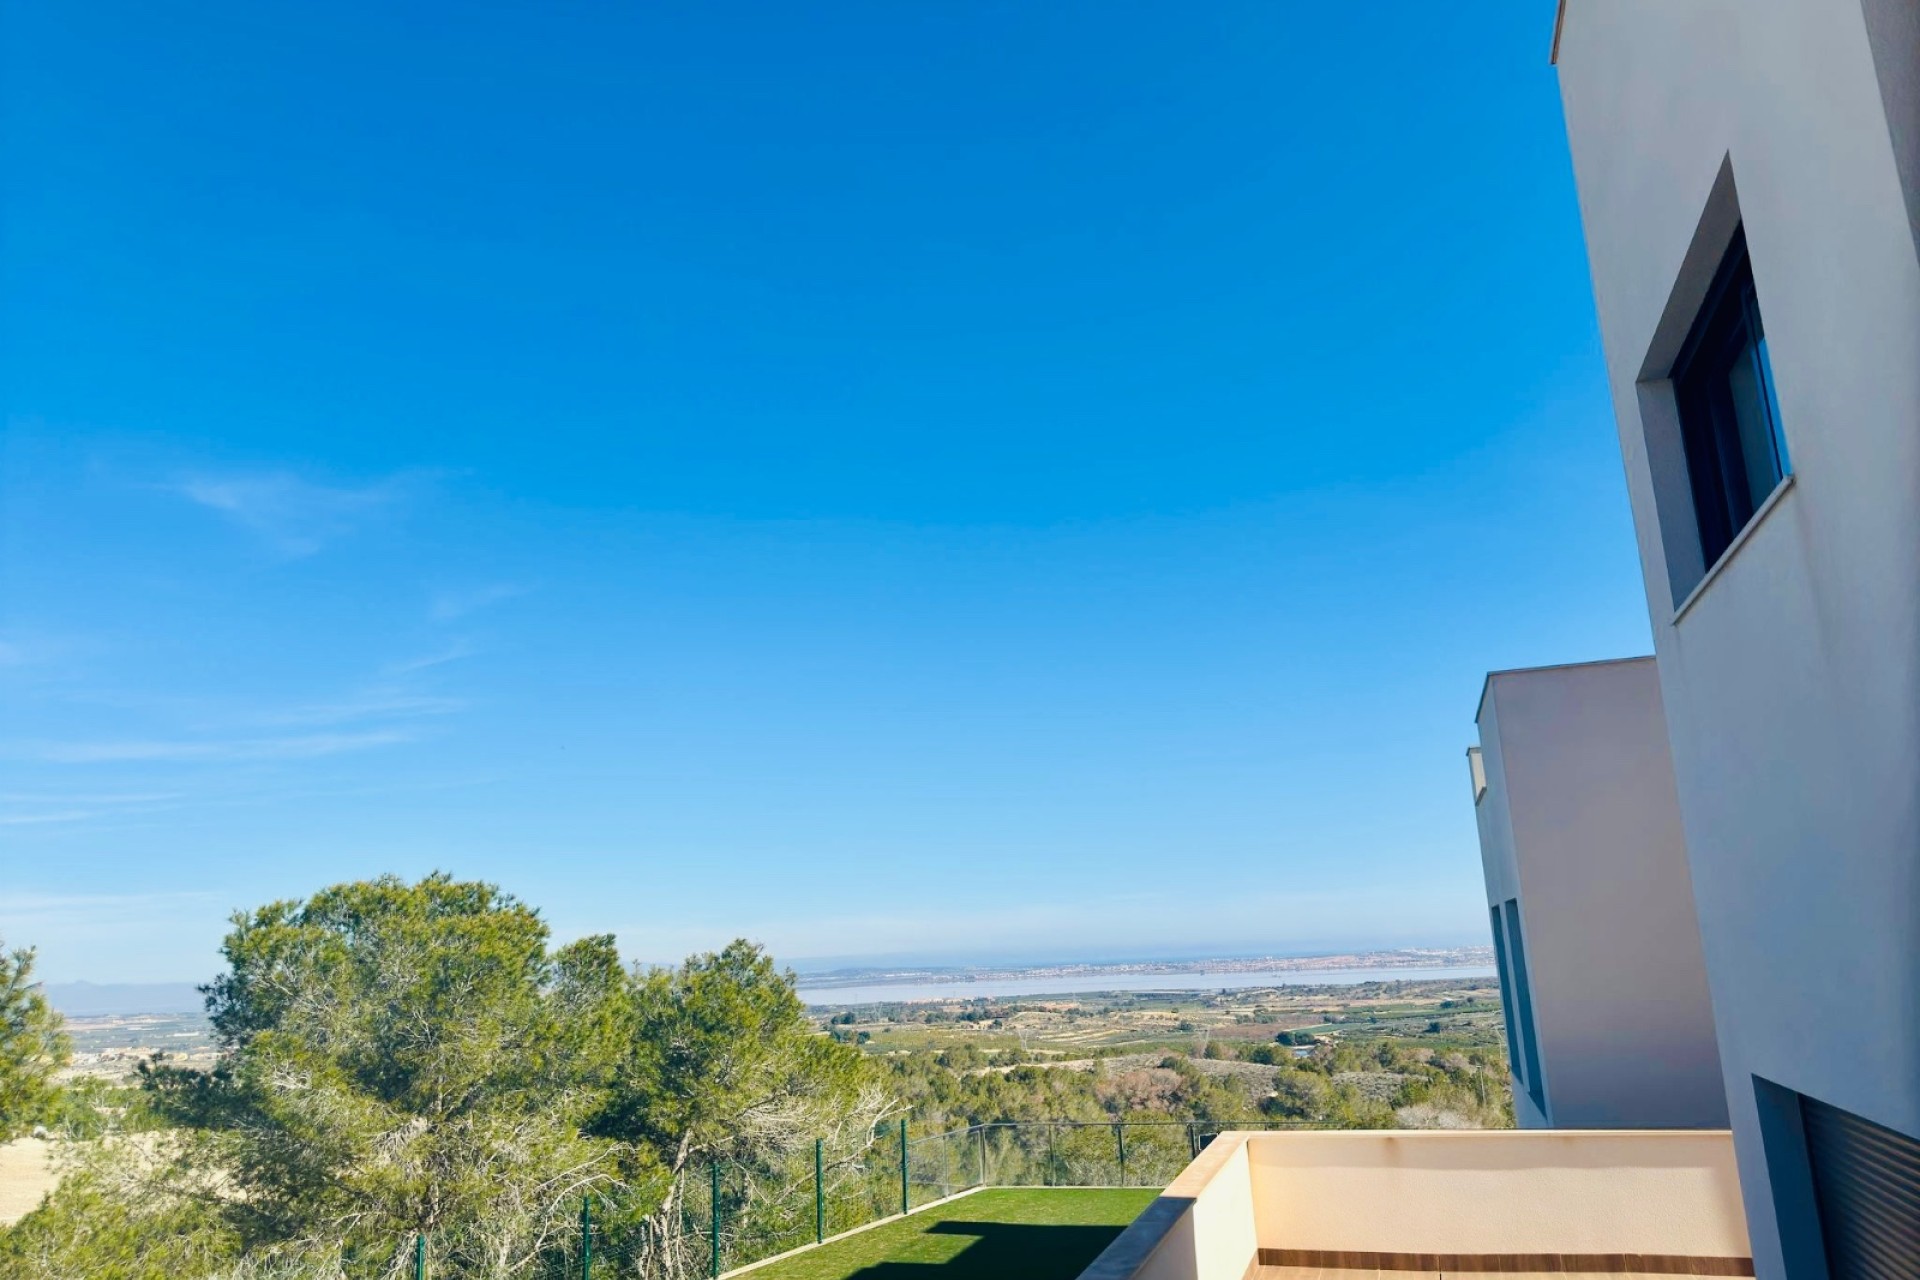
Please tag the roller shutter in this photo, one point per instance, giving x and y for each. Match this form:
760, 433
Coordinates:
1867, 1183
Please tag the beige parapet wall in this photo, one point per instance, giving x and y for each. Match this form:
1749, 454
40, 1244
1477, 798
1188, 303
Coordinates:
1669, 1198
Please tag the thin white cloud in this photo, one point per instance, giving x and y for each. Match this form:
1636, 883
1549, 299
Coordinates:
448, 606
113, 935
452, 653
36, 809
381, 714
294, 516
89, 798
193, 750
388, 704
21, 649
19, 903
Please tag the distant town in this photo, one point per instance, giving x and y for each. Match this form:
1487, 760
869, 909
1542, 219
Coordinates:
1403, 958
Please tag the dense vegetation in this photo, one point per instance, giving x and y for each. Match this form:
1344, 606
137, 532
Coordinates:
406, 1059
400, 1060
1336, 1085
32, 1047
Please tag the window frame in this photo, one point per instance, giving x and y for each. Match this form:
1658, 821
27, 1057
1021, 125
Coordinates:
1523, 1004
1727, 328
1516, 1065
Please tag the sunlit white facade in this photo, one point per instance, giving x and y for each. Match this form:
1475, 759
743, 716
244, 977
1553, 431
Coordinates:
1589, 902
1747, 173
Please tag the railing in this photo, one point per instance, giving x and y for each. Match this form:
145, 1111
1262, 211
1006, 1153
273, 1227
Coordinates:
734, 1214
738, 1221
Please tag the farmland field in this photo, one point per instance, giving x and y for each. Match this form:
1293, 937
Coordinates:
1443, 1014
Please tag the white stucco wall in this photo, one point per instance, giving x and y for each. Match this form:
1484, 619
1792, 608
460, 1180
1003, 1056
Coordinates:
1499, 1193
1581, 824
1792, 683
1570, 1192
1203, 1226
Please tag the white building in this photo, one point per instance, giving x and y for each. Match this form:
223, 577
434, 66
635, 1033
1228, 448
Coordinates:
1608, 1020
1749, 179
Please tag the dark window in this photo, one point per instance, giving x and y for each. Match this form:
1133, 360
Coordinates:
1523, 1005
1506, 994
1729, 416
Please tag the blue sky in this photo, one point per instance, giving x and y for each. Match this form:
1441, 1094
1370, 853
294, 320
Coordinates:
950, 480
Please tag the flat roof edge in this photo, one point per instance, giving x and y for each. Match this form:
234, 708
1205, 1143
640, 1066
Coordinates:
1486, 685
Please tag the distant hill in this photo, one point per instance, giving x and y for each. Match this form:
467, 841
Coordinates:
94, 999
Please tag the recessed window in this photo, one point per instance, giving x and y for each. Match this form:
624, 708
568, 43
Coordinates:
1477, 770
1729, 417
1516, 1001
1516, 959
1507, 1016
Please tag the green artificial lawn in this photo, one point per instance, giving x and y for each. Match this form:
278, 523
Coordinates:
1007, 1233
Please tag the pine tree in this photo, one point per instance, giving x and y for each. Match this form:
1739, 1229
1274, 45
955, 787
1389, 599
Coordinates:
32, 1046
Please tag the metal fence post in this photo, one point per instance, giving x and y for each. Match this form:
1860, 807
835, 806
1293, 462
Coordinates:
586, 1238
983, 1155
819, 1195
420, 1256
1050, 1130
904, 1205
715, 1167
1120, 1139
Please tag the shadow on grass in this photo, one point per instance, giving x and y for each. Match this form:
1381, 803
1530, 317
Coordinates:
1009, 1250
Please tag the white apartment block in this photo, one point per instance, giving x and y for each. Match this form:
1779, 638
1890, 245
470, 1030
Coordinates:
1749, 180
1590, 903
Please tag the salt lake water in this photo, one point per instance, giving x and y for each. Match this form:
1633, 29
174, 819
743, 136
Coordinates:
1073, 984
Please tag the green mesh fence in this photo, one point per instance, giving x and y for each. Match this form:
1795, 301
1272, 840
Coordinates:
735, 1213
766, 1210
